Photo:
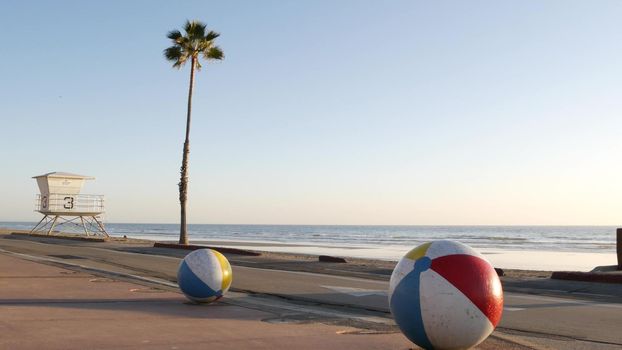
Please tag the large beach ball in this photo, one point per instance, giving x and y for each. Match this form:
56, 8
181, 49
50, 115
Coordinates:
204, 275
445, 295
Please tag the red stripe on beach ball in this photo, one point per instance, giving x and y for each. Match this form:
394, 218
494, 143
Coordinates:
476, 279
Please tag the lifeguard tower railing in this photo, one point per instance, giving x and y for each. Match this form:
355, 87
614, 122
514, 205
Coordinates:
70, 203
74, 212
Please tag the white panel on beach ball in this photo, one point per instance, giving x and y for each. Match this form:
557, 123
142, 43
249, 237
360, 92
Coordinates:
445, 295
204, 275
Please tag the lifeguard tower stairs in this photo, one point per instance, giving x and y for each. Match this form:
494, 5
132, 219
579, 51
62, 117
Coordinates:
64, 209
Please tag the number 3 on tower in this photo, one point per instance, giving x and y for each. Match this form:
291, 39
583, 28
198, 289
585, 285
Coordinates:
68, 203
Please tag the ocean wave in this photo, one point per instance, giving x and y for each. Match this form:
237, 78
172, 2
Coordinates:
507, 239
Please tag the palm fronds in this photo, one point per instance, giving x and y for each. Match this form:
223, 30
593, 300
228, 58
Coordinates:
194, 42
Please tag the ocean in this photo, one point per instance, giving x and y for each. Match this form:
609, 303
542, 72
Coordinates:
593, 239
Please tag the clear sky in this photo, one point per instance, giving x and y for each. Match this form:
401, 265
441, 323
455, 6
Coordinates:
323, 112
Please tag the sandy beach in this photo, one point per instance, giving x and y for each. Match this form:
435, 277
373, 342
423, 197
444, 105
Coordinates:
506, 259
295, 253
514, 262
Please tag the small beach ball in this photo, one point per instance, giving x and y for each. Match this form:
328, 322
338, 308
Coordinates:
445, 295
204, 275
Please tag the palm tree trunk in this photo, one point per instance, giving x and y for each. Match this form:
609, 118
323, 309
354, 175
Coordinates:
183, 182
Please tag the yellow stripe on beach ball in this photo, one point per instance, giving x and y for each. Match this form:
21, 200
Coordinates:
418, 252
226, 270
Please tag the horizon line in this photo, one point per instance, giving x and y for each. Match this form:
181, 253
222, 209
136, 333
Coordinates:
369, 225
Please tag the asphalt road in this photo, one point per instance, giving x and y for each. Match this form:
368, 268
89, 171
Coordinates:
540, 314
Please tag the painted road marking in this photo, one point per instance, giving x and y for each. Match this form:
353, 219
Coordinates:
509, 308
356, 292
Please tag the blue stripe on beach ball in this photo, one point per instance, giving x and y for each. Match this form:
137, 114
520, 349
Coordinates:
406, 308
192, 286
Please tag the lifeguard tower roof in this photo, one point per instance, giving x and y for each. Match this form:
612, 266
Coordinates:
65, 175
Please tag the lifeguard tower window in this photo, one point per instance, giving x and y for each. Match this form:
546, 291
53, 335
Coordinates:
62, 204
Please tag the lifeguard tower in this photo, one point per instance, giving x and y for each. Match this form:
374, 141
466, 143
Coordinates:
61, 204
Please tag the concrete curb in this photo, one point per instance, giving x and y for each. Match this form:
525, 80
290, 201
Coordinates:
73, 238
195, 247
331, 259
587, 276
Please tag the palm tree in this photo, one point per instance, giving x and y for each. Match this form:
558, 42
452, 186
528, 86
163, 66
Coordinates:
194, 43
